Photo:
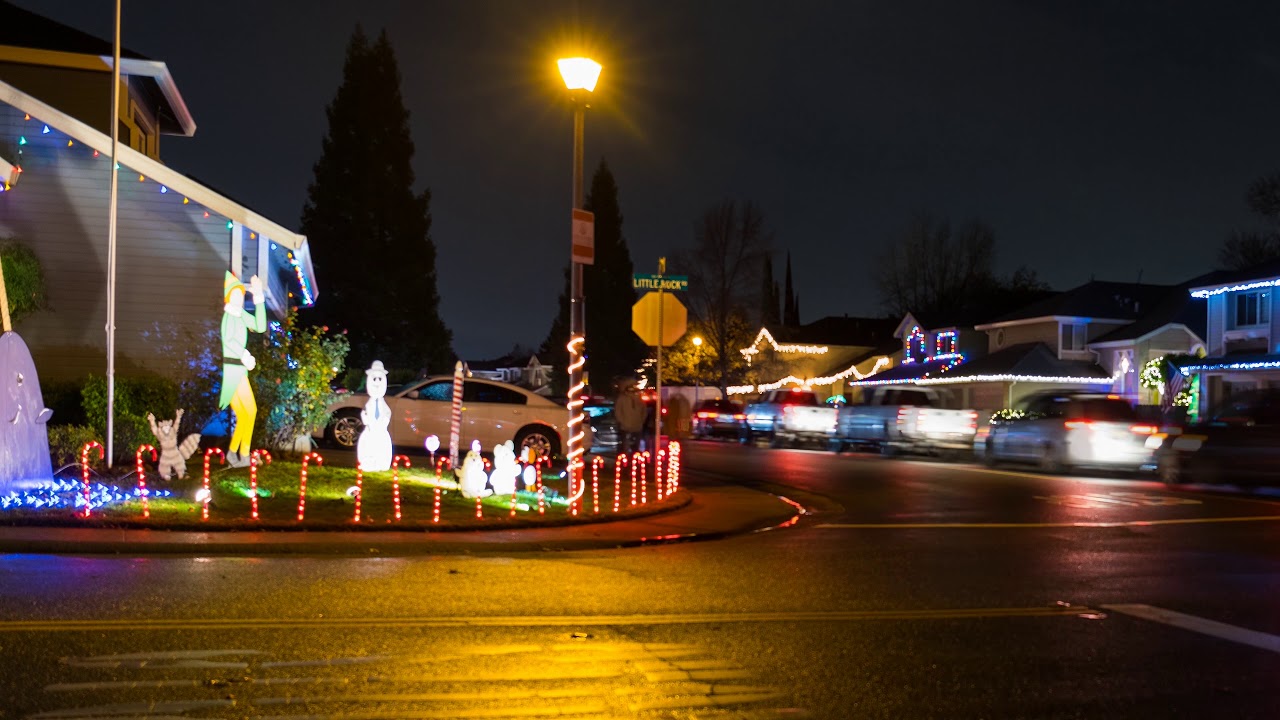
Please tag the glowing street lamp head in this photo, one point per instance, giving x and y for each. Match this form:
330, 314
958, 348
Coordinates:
579, 73
697, 341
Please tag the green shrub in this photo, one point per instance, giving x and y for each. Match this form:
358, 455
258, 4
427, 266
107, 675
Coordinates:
291, 383
23, 279
64, 398
65, 442
135, 397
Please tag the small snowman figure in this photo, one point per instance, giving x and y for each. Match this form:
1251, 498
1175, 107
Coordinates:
471, 477
373, 450
505, 469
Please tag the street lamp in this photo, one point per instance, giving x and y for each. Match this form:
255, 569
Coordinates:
580, 75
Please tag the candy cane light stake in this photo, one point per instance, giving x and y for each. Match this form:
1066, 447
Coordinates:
142, 477
255, 458
302, 482
205, 492
84, 470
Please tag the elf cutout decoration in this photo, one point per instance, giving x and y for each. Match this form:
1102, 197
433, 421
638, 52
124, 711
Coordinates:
237, 362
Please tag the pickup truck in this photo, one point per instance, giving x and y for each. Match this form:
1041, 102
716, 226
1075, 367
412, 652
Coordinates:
897, 419
787, 417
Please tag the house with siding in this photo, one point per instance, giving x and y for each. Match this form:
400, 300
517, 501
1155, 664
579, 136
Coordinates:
824, 354
1093, 337
1242, 339
175, 236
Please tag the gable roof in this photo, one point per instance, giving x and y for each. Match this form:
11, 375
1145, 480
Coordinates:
29, 38
1264, 275
1096, 299
1176, 308
1028, 360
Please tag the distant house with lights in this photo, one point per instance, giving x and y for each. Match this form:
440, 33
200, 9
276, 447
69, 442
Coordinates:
176, 237
1242, 340
824, 354
518, 368
1096, 336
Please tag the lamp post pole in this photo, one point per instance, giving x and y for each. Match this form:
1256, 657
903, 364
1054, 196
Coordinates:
577, 314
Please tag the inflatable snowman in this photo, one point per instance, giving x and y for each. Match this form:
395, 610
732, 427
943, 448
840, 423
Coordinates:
471, 476
505, 469
373, 449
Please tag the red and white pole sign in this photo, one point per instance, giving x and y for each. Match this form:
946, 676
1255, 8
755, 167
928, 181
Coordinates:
584, 237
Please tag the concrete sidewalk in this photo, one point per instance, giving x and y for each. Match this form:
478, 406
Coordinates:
717, 510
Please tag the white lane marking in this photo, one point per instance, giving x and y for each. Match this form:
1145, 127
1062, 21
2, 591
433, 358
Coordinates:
1204, 626
327, 662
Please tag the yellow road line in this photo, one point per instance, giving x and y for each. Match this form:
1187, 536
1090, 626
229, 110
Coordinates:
144, 624
980, 526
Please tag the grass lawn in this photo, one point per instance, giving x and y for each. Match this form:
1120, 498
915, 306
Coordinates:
328, 506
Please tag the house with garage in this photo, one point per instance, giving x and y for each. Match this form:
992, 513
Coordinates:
176, 237
823, 355
1242, 336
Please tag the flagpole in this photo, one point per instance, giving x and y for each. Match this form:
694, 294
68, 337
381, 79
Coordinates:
114, 120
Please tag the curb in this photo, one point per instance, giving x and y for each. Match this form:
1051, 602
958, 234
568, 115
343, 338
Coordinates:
390, 543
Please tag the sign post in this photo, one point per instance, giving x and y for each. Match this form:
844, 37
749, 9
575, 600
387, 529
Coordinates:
660, 320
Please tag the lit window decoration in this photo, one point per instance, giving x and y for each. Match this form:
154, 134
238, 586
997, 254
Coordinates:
950, 349
915, 341
764, 334
1210, 292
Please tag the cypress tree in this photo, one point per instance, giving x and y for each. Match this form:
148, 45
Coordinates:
790, 313
369, 230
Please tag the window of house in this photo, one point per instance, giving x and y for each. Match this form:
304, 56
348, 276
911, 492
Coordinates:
1074, 336
1250, 309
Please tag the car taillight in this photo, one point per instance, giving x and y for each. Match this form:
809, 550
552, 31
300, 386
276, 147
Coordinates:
1143, 429
1076, 424
704, 415
739, 417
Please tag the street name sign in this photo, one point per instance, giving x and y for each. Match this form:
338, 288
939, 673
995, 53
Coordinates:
584, 237
669, 283
660, 319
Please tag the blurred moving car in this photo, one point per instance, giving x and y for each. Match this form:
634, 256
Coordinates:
605, 437
1062, 430
764, 416
492, 412
1238, 444
717, 418
897, 419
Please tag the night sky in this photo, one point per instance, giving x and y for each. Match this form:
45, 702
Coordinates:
1097, 140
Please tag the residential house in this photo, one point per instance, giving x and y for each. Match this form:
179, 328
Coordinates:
1093, 337
175, 236
518, 368
1242, 340
823, 354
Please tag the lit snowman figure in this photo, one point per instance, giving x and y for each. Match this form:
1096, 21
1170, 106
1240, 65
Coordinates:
505, 469
471, 477
373, 450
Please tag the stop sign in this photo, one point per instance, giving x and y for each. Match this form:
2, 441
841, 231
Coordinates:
644, 319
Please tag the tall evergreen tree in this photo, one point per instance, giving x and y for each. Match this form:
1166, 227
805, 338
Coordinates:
790, 313
769, 314
369, 230
612, 349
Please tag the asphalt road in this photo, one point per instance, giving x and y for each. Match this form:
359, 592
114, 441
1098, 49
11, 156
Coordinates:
914, 590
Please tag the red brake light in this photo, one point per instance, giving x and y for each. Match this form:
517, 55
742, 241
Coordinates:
704, 415
1076, 424
1144, 429
739, 417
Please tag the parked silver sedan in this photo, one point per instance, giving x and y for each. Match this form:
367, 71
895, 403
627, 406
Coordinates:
1059, 431
492, 412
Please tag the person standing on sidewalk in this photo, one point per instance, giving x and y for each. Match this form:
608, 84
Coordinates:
629, 411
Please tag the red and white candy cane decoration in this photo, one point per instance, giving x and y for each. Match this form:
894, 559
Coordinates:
576, 426
657, 474
440, 465
302, 482
637, 459
513, 503
255, 458
395, 482
359, 491
618, 464
644, 478
204, 486
479, 512
435, 510
596, 463
673, 469
142, 477
84, 471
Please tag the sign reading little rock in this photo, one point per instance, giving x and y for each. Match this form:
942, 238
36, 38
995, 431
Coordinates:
669, 283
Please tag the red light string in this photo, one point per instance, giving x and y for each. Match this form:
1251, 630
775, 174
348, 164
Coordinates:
84, 470
302, 483
204, 483
596, 462
255, 458
395, 482
644, 478
618, 463
142, 478
435, 510
479, 512
657, 474
513, 503
636, 459
359, 491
